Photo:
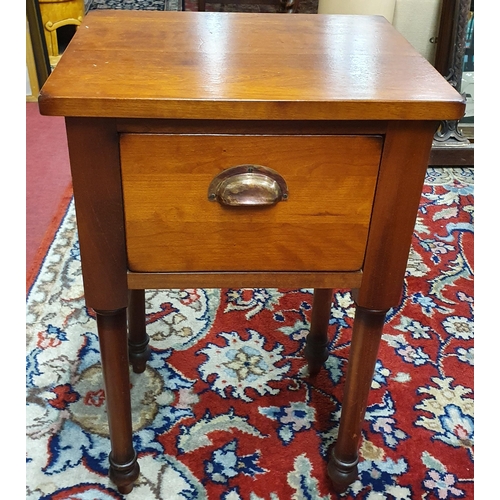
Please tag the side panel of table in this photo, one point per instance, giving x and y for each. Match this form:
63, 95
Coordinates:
95, 169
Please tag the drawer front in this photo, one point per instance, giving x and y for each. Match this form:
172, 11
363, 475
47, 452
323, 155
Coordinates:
172, 225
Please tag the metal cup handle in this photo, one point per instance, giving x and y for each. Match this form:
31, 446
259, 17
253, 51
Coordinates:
248, 185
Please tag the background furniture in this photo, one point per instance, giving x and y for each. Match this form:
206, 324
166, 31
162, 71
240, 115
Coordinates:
60, 18
244, 162
289, 6
32, 87
37, 42
451, 145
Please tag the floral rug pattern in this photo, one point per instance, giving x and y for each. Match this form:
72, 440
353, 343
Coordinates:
225, 409
134, 4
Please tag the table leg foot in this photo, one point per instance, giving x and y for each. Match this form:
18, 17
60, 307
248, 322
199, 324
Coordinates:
138, 355
316, 355
125, 490
124, 475
342, 474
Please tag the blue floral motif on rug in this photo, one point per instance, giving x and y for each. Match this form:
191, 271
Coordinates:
225, 408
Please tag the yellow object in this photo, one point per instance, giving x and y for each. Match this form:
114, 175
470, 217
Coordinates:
55, 15
369, 7
32, 88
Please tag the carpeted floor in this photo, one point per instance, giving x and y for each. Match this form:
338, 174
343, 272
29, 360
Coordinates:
226, 410
48, 184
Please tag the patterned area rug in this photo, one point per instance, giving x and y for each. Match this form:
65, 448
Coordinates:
134, 4
225, 409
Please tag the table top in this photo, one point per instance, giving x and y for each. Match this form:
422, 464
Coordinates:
214, 65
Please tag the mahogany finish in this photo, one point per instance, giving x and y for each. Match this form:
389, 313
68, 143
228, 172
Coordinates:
148, 116
95, 170
112, 328
245, 66
316, 351
399, 188
331, 182
138, 339
366, 336
232, 279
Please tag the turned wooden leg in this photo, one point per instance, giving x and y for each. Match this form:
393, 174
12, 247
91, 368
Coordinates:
138, 339
367, 331
316, 351
112, 329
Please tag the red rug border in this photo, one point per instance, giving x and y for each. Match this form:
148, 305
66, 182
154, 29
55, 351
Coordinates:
48, 237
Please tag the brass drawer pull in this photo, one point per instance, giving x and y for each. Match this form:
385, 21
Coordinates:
248, 185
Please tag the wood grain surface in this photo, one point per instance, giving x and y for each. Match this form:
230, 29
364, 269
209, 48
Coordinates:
172, 226
239, 65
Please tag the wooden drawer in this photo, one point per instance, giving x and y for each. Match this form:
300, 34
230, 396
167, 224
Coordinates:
171, 225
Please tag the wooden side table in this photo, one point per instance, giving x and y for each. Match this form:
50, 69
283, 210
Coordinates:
244, 150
